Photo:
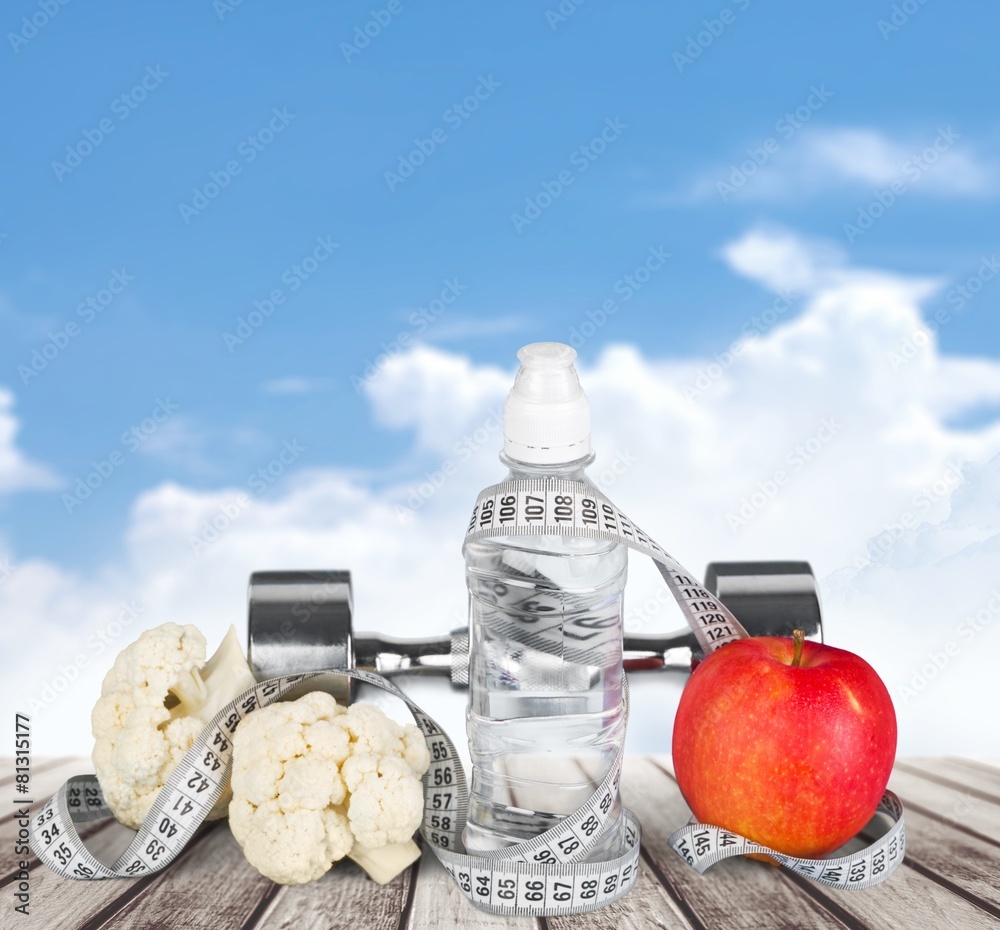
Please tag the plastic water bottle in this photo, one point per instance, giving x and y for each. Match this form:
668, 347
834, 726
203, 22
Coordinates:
545, 716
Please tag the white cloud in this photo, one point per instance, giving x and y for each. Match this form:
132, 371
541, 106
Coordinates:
782, 260
177, 440
866, 156
17, 472
691, 449
930, 598
435, 393
468, 327
183, 443
820, 160
295, 384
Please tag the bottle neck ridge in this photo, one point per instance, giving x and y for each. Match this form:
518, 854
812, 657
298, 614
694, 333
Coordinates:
573, 469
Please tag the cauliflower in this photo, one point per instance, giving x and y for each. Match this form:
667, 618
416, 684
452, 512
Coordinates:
314, 782
154, 703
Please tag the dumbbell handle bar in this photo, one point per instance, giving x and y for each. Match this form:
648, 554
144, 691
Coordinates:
299, 621
390, 656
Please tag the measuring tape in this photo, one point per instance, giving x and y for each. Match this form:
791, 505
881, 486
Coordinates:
183, 803
532, 878
701, 846
543, 876
558, 506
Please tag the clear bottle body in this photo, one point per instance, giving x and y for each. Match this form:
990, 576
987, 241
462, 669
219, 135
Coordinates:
545, 717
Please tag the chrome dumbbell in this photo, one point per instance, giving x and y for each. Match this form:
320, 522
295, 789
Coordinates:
300, 621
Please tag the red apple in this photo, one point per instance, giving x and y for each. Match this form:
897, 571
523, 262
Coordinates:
789, 743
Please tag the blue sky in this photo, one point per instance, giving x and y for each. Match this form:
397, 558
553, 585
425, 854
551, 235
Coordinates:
476, 177
216, 78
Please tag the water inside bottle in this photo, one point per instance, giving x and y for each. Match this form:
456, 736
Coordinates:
545, 718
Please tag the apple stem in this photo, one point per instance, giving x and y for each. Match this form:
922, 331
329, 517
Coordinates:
799, 637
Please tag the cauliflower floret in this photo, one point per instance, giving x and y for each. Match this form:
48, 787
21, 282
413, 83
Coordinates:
155, 701
314, 782
415, 750
387, 802
296, 845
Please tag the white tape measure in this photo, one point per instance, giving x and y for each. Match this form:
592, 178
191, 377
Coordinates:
186, 799
528, 879
557, 506
702, 846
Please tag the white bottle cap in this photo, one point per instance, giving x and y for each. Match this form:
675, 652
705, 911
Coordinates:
546, 419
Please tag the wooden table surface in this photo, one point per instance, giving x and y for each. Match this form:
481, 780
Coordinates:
950, 878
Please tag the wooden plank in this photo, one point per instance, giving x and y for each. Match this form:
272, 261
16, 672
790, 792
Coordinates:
107, 839
438, 902
737, 893
991, 766
905, 901
950, 878
913, 896
113, 838
909, 899
647, 904
39, 767
964, 864
45, 782
91, 904
10, 860
212, 886
344, 897
957, 807
977, 780
346, 892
